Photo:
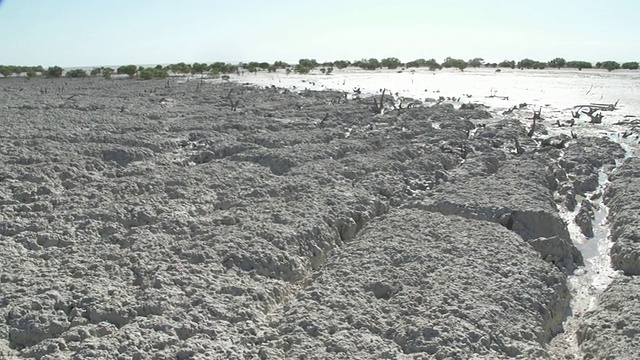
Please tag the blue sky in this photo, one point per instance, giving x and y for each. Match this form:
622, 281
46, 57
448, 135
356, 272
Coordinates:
114, 32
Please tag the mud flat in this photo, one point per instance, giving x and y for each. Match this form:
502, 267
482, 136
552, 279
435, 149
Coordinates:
150, 220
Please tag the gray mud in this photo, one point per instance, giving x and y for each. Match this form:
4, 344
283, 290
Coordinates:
149, 220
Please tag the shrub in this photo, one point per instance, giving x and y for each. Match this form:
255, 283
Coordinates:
76, 73
106, 73
54, 71
341, 64
146, 74
180, 68
308, 63
95, 71
329, 70
199, 68
370, 64
391, 63
280, 65
610, 65
633, 65
301, 69
6, 71
454, 63
476, 62
507, 64
579, 65
128, 70
31, 73
557, 63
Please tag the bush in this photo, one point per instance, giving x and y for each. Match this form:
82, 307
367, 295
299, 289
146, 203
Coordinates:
76, 73
370, 64
557, 63
54, 71
128, 70
454, 63
476, 62
199, 68
610, 65
6, 71
106, 72
341, 64
579, 65
280, 65
301, 69
96, 71
150, 73
146, 74
308, 63
507, 64
391, 63
633, 65
180, 68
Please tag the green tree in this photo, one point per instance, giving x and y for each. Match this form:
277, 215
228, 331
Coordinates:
391, 63
54, 71
341, 64
280, 64
557, 63
31, 73
454, 63
633, 65
579, 64
146, 74
610, 65
106, 73
301, 69
128, 70
5, 71
76, 73
507, 64
308, 63
96, 71
476, 62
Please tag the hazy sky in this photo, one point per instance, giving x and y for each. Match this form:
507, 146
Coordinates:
115, 32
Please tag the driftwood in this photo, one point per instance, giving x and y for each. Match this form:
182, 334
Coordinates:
590, 109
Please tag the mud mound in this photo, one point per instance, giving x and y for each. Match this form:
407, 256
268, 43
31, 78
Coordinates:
148, 219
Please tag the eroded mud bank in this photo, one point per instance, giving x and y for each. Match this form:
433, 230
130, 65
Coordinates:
148, 219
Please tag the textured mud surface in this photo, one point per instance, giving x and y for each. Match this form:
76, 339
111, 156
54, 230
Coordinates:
145, 221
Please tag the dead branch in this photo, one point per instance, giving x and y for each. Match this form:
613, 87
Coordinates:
378, 108
519, 149
321, 124
596, 118
533, 128
537, 115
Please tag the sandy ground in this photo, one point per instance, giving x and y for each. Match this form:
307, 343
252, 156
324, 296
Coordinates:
150, 220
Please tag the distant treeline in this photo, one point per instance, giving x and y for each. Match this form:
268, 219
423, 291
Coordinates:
304, 66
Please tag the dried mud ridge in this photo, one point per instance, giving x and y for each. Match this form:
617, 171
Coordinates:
140, 221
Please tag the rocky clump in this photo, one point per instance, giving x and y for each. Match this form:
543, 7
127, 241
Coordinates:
613, 330
143, 220
623, 198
